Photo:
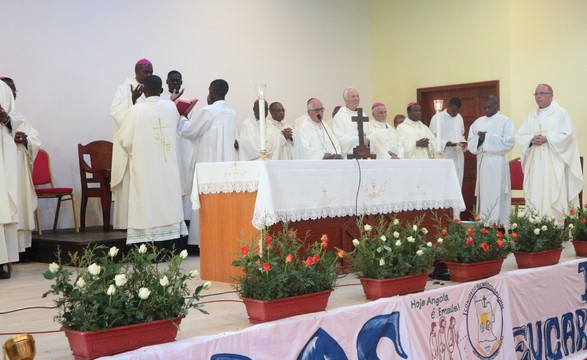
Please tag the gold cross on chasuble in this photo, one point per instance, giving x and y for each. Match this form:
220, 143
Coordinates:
159, 137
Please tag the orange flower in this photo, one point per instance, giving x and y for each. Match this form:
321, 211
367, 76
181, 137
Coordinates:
469, 241
485, 246
458, 222
268, 239
324, 244
309, 261
500, 243
266, 267
444, 232
324, 237
340, 253
289, 258
484, 231
470, 231
477, 217
293, 233
316, 258
500, 234
245, 250
515, 235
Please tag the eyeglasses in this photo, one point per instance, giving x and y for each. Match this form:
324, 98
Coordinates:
542, 93
317, 110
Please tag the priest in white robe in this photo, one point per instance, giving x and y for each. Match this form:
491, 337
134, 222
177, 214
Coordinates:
8, 183
148, 136
27, 146
314, 139
277, 119
249, 137
384, 139
419, 141
452, 135
550, 159
490, 138
345, 129
127, 94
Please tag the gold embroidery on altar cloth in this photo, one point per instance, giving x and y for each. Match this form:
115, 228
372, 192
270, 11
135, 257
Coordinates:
418, 193
374, 190
236, 171
324, 199
161, 139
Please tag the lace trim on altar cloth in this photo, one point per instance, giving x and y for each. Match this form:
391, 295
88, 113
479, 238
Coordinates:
228, 187
262, 220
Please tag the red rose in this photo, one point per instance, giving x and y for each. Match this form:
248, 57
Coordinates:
572, 212
515, 235
324, 244
485, 246
289, 258
309, 261
293, 233
484, 231
470, 231
583, 221
500, 243
469, 241
443, 232
268, 239
245, 250
269, 246
494, 225
324, 237
266, 266
316, 258
340, 253
500, 234
458, 222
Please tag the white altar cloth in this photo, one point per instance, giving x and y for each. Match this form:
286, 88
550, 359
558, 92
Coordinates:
313, 189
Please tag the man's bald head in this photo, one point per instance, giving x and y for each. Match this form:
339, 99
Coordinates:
351, 98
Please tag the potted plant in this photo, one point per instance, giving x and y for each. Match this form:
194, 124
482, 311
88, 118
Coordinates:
576, 222
537, 239
473, 250
107, 306
391, 258
283, 275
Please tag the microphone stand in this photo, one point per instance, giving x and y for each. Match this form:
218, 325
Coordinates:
336, 155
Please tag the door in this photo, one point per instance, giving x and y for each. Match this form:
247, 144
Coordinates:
471, 95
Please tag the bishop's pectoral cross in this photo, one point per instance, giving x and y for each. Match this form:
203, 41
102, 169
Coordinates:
360, 119
161, 139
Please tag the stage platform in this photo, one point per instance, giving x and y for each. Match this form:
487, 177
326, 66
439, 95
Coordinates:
542, 301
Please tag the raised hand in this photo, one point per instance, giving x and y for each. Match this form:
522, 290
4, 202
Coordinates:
136, 93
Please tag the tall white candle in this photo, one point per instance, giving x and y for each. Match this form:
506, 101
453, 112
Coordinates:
438, 132
262, 125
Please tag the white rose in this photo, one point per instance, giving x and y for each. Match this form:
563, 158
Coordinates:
440, 240
143, 250
398, 243
113, 251
164, 281
420, 252
53, 267
424, 231
570, 227
531, 220
383, 238
537, 231
120, 280
94, 269
111, 290
429, 244
183, 254
193, 273
411, 239
207, 285
381, 262
396, 234
367, 227
80, 283
415, 227
537, 219
144, 293
395, 222
544, 228
356, 242
514, 225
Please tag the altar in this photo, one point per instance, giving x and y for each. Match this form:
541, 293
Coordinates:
236, 199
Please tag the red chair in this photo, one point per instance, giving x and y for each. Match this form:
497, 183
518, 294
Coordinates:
42, 177
95, 178
517, 181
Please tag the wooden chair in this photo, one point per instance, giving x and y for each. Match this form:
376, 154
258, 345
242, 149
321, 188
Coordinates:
95, 178
41, 177
517, 181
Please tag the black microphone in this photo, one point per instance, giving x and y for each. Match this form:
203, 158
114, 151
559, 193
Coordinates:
336, 155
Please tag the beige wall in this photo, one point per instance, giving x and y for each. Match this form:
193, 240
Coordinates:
425, 43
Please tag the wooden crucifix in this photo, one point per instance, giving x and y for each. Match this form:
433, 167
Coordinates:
361, 151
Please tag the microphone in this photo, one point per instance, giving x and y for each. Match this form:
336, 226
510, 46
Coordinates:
336, 155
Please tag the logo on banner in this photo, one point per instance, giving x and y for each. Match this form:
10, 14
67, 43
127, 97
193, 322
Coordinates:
484, 316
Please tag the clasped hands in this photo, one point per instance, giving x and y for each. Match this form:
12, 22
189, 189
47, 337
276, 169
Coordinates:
288, 134
538, 140
423, 142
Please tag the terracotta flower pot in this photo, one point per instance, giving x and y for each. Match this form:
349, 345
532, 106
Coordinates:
527, 260
380, 288
87, 345
461, 272
268, 310
580, 247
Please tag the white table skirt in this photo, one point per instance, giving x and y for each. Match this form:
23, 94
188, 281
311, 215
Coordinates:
307, 189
